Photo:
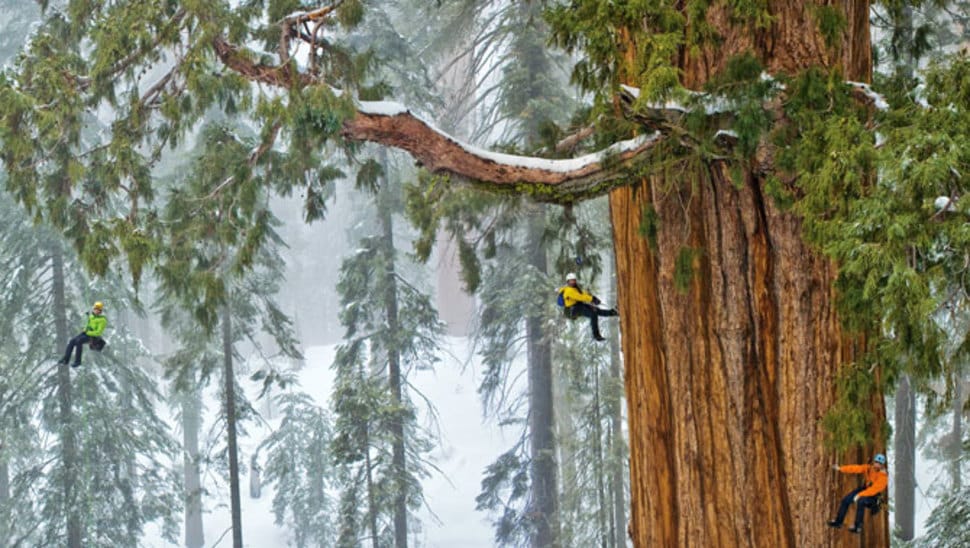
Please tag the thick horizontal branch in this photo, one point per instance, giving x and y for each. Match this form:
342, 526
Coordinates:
391, 124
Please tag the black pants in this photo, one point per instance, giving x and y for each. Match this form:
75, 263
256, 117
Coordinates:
591, 312
860, 507
77, 342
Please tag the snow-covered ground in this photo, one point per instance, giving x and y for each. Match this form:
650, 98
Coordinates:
467, 446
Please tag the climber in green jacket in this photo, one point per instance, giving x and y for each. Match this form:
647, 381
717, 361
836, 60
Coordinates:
91, 334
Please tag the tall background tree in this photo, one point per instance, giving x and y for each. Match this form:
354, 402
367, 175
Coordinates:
219, 188
392, 331
505, 246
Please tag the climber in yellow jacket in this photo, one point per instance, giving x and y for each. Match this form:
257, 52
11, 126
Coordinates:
577, 302
867, 496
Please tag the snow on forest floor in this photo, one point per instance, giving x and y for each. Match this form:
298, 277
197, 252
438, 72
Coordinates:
467, 446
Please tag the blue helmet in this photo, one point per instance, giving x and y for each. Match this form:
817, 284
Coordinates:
880, 458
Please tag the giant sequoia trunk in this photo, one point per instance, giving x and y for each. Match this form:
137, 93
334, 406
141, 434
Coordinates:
727, 380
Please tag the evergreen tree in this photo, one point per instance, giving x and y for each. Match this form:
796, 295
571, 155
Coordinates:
913, 32
528, 102
298, 463
947, 526
590, 389
906, 43
24, 366
207, 252
392, 329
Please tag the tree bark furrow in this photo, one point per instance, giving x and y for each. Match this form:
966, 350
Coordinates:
646, 380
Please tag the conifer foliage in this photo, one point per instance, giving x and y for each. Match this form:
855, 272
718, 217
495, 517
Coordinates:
392, 330
298, 463
120, 470
234, 269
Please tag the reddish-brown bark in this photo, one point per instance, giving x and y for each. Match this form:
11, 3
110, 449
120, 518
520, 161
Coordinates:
727, 381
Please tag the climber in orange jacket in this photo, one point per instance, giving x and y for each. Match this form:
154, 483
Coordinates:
867, 496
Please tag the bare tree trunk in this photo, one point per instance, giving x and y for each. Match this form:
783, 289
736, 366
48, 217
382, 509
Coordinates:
601, 502
545, 491
4, 482
371, 495
230, 403
904, 452
398, 463
191, 420
4, 495
256, 480
956, 435
126, 480
567, 449
618, 452
727, 381
68, 439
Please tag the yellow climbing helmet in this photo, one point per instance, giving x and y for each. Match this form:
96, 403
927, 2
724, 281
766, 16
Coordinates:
99, 305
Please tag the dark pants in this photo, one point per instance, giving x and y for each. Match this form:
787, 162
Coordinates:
77, 342
591, 312
860, 507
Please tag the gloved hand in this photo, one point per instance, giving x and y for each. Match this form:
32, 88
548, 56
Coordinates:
835, 467
596, 300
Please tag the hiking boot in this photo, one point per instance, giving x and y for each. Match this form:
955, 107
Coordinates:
599, 337
76, 364
855, 529
835, 524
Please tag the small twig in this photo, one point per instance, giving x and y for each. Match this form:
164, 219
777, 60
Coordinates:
222, 536
314, 15
570, 141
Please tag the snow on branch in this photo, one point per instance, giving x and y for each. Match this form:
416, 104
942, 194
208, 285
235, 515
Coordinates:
945, 204
716, 105
866, 91
392, 124
298, 17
